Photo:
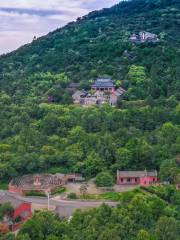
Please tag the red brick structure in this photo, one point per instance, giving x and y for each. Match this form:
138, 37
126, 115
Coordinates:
142, 178
21, 213
41, 182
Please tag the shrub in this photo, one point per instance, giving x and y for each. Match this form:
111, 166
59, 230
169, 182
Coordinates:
104, 179
35, 194
72, 196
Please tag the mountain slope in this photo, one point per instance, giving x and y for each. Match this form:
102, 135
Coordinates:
142, 132
97, 44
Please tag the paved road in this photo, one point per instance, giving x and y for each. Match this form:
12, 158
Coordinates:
65, 208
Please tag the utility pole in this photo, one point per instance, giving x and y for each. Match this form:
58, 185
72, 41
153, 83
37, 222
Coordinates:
48, 198
48, 201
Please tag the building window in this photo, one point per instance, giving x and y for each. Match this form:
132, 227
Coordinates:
128, 180
122, 179
145, 182
136, 179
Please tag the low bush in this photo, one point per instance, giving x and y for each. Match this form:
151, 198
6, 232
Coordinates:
72, 196
35, 194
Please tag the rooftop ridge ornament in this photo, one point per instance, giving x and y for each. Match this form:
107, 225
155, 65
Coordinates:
37, 181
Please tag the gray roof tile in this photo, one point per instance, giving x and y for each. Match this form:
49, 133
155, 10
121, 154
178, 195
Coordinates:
7, 198
137, 173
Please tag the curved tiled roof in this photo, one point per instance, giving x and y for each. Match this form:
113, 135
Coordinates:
103, 82
7, 198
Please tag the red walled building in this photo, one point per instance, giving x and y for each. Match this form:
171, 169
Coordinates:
41, 182
22, 212
141, 178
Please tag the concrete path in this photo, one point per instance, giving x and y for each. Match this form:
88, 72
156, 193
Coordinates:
65, 208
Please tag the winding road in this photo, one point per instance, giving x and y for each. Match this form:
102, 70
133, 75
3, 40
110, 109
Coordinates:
65, 208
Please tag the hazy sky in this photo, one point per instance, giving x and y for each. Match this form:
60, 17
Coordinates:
21, 20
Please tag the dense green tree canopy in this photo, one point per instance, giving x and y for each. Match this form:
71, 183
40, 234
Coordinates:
134, 219
44, 137
41, 131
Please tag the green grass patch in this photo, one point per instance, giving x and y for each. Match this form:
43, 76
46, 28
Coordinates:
89, 197
112, 196
35, 194
55, 170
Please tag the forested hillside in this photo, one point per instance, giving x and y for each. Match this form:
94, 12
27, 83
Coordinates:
142, 132
138, 217
97, 44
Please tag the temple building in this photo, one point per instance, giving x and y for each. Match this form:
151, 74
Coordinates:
21, 213
103, 91
41, 182
113, 99
144, 36
79, 96
141, 178
103, 84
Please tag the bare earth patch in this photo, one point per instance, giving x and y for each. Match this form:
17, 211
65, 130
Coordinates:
75, 188
91, 189
122, 188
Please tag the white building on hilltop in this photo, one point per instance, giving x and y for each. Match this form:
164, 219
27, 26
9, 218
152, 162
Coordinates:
144, 36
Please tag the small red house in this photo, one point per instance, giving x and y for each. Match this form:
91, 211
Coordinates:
22, 212
142, 178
